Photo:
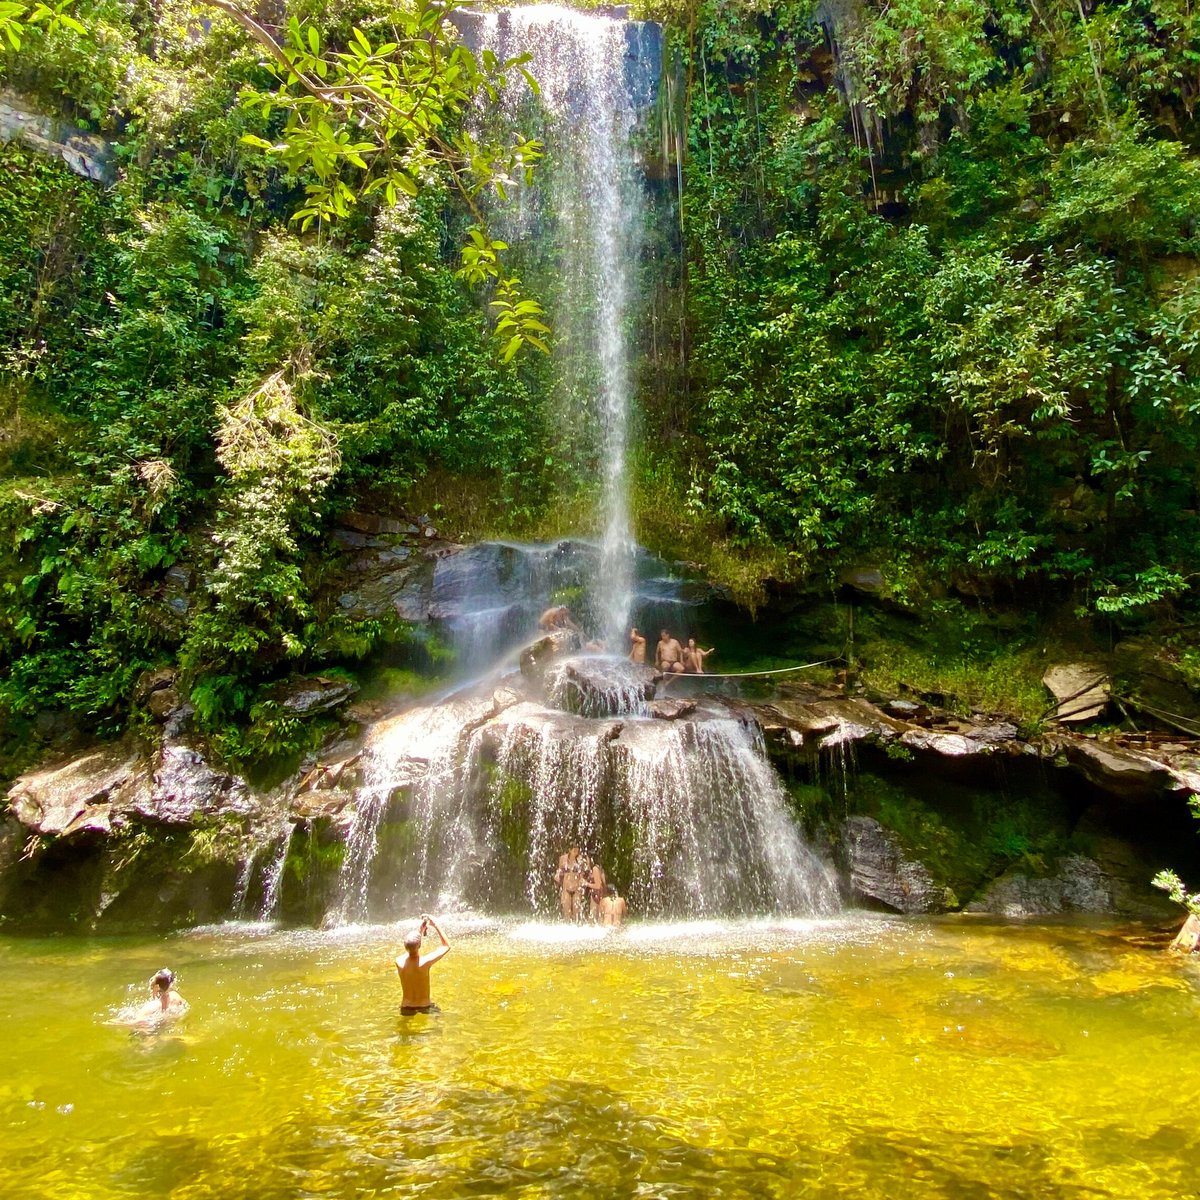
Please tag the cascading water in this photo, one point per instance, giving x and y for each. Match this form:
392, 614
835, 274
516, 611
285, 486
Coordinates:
591, 213
470, 802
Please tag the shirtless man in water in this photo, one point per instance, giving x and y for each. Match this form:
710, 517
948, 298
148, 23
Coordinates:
413, 969
668, 655
637, 642
569, 878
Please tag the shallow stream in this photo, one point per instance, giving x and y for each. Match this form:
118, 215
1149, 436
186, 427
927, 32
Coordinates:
857, 1057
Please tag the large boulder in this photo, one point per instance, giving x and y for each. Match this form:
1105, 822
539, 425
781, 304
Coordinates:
1081, 690
81, 794
599, 686
881, 869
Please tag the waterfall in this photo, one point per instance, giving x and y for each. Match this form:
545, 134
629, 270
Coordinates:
687, 814
471, 802
589, 220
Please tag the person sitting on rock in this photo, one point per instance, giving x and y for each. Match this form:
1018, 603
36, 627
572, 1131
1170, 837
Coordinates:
569, 878
613, 908
668, 654
556, 618
693, 657
637, 653
413, 969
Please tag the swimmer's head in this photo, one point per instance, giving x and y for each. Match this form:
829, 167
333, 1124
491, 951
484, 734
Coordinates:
163, 981
412, 941
612, 889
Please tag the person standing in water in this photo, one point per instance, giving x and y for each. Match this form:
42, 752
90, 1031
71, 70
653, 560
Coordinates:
595, 883
413, 969
569, 878
613, 908
637, 642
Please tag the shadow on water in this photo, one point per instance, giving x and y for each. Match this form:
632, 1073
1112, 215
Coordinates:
568, 1138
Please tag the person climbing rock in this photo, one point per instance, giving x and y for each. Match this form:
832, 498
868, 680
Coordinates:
693, 657
668, 654
637, 643
413, 969
569, 878
557, 618
613, 908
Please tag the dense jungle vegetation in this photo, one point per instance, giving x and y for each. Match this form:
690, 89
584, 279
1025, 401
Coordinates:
925, 296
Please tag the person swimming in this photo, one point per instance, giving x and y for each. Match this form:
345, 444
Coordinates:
164, 1006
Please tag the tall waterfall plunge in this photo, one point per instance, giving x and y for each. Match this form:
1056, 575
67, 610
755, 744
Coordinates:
586, 217
471, 801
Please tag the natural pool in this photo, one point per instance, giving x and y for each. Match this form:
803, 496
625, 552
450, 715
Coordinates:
859, 1057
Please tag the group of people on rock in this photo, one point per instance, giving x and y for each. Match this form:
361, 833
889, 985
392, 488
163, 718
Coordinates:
670, 657
581, 882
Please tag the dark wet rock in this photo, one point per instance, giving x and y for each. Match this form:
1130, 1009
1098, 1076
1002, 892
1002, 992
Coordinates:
671, 708
306, 694
81, 794
153, 681
162, 702
373, 523
867, 581
906, 710
178, 584
352, 539
84, 153
881, 869
1081, 689
185, 783
538, 656
1118, 771
1112, 880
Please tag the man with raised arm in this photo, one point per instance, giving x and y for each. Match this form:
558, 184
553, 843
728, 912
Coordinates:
413, 969
637, 643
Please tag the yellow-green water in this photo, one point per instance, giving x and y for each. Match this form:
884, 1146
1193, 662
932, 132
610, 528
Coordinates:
866, 1057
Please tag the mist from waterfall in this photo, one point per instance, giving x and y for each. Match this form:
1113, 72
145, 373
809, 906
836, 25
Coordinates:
586, 215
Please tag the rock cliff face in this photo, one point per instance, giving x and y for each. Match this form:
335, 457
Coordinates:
85, 153
126, 834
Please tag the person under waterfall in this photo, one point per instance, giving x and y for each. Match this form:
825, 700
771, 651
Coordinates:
637, 643
569, 878
693, 657
595, 884
613, 908
558, 618
413, 969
